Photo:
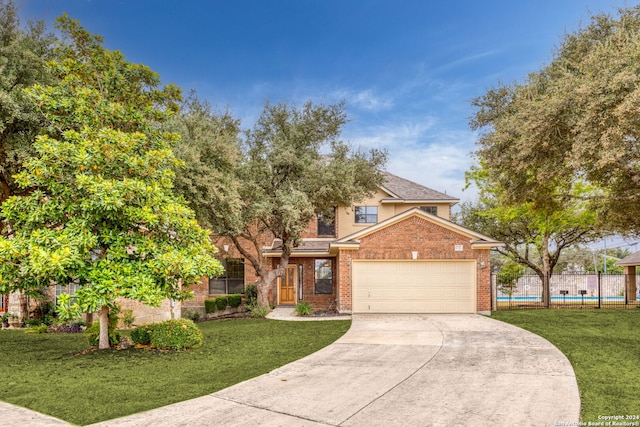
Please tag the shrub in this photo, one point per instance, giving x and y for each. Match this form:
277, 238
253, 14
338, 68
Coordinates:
209, 305
33, 322
67, 328
94, 335
37, 329
260, 310
176, 334
192, 315
140, 335
221, 302
128, 318
303, 308
235, 300
251, 293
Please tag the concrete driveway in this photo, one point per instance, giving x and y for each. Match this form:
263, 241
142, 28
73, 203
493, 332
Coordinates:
389, 370
399, 370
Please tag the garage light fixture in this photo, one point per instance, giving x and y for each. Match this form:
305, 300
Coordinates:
414, 254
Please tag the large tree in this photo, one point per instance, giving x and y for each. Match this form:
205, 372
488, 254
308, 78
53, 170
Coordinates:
290, 166
101, 212
209, 149
23, 53
574, 121
534, 235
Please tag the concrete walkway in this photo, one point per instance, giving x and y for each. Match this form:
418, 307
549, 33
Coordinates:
397, 370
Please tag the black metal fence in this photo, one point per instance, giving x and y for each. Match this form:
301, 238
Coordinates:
568, 290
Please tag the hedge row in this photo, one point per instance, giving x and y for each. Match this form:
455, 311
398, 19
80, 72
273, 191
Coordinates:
220, 302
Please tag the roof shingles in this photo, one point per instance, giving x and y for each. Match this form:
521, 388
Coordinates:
404, 189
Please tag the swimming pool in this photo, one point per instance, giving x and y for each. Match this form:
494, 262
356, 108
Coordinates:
585, 298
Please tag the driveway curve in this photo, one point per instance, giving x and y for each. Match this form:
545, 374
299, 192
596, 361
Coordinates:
397, 370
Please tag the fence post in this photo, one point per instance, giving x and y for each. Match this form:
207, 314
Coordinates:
493, 295
599, 290
626, 289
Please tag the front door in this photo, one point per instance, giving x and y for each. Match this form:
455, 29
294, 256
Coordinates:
287, 291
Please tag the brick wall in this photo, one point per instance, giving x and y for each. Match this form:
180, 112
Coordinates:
317, 301
431, 241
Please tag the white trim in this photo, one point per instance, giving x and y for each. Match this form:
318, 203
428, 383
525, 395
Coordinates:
477, 239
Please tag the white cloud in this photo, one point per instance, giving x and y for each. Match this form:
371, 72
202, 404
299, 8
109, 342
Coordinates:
367, 100
423, 153
389, 136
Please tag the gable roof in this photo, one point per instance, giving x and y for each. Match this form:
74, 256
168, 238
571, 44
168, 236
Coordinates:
633, 259
403, 190
478, 241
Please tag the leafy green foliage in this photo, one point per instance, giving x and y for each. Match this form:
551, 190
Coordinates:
93, 335
37, 329
175, 334
251, 294
508, 277
221, 302
259, 311
209, 305
103, 214
573, 123
141, 335
303, 308
127, 317
23, 53
277, 178
234, 300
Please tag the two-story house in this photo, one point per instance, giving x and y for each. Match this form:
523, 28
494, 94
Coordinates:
396, 252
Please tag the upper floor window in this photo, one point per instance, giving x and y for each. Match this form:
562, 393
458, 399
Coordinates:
327, 223
366, 214
433, 210
232, 282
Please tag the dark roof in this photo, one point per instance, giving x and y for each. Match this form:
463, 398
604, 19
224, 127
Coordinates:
633, 259
404, 189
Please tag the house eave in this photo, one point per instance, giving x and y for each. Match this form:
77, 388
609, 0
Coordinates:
486, 245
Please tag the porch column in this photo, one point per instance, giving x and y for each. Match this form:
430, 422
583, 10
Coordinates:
630, 271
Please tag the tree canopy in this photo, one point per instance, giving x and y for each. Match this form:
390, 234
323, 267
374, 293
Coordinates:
24, 51
573, 123
290, 166
99, 209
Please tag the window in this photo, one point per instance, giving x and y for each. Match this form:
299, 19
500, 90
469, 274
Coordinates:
366, 214
324, 276
69, 289
327, 223
433, 210
233, 280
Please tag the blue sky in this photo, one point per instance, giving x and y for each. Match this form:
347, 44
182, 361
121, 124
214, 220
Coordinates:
406, 69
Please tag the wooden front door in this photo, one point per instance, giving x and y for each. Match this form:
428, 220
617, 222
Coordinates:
287, 291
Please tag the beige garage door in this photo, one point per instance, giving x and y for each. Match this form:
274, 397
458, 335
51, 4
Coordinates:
414, 286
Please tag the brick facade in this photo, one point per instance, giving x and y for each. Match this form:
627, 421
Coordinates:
430, 240
317, 300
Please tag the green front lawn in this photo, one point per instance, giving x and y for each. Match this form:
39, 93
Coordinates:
604, 348
45, 372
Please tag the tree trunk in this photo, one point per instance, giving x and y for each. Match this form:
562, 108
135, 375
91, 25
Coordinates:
269, 280
103, 316
546, 271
